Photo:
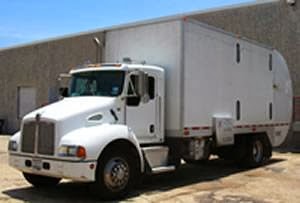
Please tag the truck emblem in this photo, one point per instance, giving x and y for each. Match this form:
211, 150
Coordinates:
38, 117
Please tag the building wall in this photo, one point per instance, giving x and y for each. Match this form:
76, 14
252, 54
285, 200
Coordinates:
39, 66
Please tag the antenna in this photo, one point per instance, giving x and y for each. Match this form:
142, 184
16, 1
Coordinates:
98, 44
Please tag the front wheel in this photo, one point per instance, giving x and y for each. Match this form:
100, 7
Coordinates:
115, 176
41, 181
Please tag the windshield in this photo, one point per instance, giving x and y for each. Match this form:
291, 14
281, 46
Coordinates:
97, 83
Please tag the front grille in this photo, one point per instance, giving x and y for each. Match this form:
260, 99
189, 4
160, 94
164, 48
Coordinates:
28, 137
46, 137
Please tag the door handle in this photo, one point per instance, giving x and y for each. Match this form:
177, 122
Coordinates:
151, 128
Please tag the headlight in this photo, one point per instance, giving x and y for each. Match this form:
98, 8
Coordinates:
72, 151
12, 145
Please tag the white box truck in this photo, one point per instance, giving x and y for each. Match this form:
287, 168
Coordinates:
206, 92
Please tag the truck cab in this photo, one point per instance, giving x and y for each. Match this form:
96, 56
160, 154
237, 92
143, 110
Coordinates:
95, 133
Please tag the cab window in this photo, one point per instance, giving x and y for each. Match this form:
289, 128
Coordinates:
135, 99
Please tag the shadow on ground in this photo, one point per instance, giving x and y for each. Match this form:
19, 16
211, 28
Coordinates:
293, 150
186, 175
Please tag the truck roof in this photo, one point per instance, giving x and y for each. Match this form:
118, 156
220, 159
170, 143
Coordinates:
116, 66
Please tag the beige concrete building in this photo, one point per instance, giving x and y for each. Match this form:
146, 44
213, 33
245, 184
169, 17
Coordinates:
28, 74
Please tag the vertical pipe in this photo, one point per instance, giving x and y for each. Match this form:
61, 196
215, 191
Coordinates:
98, 47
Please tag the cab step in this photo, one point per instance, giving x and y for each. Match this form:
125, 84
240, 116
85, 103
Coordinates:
163, 169
157, 158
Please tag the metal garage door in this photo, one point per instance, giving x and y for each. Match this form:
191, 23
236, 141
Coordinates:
26, 100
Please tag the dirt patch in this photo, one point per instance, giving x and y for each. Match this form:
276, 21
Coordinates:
212, 197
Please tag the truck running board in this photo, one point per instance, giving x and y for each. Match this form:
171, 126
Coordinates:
157, 158
163, 169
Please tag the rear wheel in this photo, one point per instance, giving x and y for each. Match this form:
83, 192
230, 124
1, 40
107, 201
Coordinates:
116, 174
257, 152
41, 181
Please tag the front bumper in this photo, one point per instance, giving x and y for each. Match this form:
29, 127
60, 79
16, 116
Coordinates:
69, 169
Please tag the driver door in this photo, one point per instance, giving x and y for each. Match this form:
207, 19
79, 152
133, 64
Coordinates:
141, 117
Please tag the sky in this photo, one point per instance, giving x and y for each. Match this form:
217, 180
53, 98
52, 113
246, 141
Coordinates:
25, 21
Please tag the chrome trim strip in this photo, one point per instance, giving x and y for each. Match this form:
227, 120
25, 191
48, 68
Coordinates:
53, 159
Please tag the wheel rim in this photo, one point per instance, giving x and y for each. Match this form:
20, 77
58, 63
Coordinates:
116, 174
257, 151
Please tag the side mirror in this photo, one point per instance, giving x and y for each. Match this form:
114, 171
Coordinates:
143, 86
64, 91
64, 80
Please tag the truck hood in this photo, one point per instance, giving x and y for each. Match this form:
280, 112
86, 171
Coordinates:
72, 107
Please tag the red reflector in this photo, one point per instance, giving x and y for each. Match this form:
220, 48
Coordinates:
81, 153
92, 166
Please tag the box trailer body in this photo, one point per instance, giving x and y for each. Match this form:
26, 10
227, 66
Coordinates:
205, 92
204, 79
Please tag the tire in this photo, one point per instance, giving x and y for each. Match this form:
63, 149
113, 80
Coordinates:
116, 174
39, 181
255, 152
268, 149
